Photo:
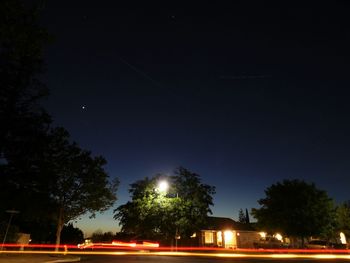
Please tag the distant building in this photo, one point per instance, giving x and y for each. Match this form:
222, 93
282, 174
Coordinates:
224, 232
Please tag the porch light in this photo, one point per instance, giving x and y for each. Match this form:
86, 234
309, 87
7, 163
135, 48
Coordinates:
228, 236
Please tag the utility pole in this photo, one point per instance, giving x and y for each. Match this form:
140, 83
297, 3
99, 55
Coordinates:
11, 212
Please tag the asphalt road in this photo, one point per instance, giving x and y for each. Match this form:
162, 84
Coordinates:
189, 259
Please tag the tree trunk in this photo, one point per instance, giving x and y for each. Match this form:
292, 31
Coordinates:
60, 223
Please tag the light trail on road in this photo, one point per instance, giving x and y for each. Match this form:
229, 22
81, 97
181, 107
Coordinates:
135, 247
260, 255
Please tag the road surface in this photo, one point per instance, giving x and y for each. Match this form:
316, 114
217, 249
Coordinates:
194, 259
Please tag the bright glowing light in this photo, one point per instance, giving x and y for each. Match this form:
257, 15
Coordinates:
150, 244
147, 248
123, 244
262, 234
304, 254
278, 236
228, 236
208, 237
342, 238
219, 238
163, 186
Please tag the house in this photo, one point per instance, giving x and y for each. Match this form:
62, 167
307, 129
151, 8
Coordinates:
224, 232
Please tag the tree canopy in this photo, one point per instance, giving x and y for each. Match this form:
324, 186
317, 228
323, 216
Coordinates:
296, 208
71, 235
243, 217
99, 236
343, 218
23, 122
21, 47
78, 183
181, 210
43, 174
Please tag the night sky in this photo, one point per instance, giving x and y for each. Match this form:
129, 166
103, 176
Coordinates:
243, 94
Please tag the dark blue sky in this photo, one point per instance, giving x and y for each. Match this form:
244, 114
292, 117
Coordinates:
243, 94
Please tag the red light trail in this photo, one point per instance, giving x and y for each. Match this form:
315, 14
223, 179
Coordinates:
120, 249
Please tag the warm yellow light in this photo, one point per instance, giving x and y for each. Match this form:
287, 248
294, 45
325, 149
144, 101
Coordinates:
342, 238
262, 234
278, 236
163, 186
219, 237
208, 237
228, 236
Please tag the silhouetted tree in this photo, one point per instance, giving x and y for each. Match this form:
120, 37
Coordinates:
78, 182
71, 234
241, 216
99, 236
247, 219
21, 46
23, 122
343, 219
38, 164
297, 209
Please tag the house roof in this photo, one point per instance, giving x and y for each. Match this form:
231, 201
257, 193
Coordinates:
221, 223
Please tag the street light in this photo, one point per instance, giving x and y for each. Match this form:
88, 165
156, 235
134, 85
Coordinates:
11, 212
163, 186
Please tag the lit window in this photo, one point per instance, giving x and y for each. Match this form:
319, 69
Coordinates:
208, 237
219, 238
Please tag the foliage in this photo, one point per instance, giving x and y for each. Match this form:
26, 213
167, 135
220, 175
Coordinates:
241, 216
23, 122
99, 236
21, 45
71, 234
78, 184
247, 219
343, 218
297, 209
38, 164
155, 214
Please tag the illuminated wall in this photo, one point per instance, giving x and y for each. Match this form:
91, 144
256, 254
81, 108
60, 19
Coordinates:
229, 238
